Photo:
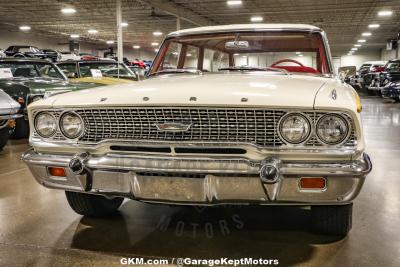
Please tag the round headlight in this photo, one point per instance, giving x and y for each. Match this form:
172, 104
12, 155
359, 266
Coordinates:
45, 124
294, 128
36, 98
71, 125
332, 129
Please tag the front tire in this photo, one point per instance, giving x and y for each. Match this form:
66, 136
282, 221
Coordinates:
93, 205
332, 219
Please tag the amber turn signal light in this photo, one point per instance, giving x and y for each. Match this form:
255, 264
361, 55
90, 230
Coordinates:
57, 171
312, 183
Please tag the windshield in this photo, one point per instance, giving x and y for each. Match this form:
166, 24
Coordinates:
107, 69
32, 70
253, 51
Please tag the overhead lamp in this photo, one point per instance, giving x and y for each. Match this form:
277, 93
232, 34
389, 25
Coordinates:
124, 24
361, 41
175, 53
74, 36
385, 13
373, 26
157, 33
234, 2
136, 47
110, 42
256, 19
357, 45
354, 49
298, 53
188, 55
349, 54
154, 44
236, 54
366, 34
156, 50
93, 31
24, 28
68, 10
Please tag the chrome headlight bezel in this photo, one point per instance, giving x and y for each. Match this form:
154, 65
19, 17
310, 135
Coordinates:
345, 136
308, 121
54, 121
62, 129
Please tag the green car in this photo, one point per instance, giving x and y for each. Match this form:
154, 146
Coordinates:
28, 80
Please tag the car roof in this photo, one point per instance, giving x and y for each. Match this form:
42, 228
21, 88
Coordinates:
33, 60
246, 27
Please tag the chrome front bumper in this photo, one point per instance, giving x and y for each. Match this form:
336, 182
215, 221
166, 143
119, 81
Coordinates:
185, 180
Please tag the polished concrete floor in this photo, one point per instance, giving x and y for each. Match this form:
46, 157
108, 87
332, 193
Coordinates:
37, 227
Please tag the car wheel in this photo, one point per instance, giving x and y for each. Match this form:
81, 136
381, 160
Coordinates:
4, 136
93, 205
21, 129
332, 219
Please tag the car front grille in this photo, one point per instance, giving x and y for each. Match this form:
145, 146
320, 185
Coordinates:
255, 126
219, 126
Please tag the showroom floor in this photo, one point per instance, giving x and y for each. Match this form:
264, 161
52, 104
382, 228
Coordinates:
38, 227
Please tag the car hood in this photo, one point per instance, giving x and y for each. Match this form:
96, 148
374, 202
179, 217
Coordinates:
211, 89
7, 104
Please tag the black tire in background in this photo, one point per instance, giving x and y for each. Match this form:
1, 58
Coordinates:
93, 205
4, 136
332, 219
21, 129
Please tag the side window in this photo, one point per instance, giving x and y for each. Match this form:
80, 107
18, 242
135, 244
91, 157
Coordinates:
69, 70
192, 57
171, 57
214, 60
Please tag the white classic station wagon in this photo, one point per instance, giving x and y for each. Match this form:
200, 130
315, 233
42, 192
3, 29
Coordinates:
238, 114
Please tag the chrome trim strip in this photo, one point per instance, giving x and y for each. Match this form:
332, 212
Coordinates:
11, 117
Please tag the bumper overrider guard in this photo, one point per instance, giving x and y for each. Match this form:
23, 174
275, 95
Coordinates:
185, 180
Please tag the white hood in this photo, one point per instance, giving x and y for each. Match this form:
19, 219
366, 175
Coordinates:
211, 89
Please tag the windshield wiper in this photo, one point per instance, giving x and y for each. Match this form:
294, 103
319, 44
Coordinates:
173, 71
245, 68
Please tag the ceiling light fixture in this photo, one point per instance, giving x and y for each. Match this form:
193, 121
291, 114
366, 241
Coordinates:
156, 50
68, 10
366, 34
234, 2
110, 42
74, 36
357, 45
361, 41
136, 47
236, 54
157, 33
256, 19
373, 26
24, 28
124, 24
354, 49
299, 55
154, 44
93, 31
385, 13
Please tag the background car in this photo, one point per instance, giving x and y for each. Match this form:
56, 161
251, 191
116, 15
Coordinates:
111, 72
30, 52
8, 111
391, 73
30, 79
69, 56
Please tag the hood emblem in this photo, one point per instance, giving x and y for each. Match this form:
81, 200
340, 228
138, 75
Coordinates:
334, 94
103, 99
173, 127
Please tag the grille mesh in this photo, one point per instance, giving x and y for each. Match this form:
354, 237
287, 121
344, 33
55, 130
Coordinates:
256, 126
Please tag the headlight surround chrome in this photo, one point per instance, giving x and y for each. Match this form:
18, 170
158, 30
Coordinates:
71, 125
295, 128
332, 129
45, 124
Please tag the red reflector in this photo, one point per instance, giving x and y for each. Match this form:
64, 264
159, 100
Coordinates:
312, 183
57, 171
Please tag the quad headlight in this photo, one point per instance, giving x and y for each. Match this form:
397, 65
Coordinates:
45, 124
332, 129
295, 128
71, 125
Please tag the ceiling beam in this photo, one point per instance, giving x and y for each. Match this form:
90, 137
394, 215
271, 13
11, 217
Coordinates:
178, 11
